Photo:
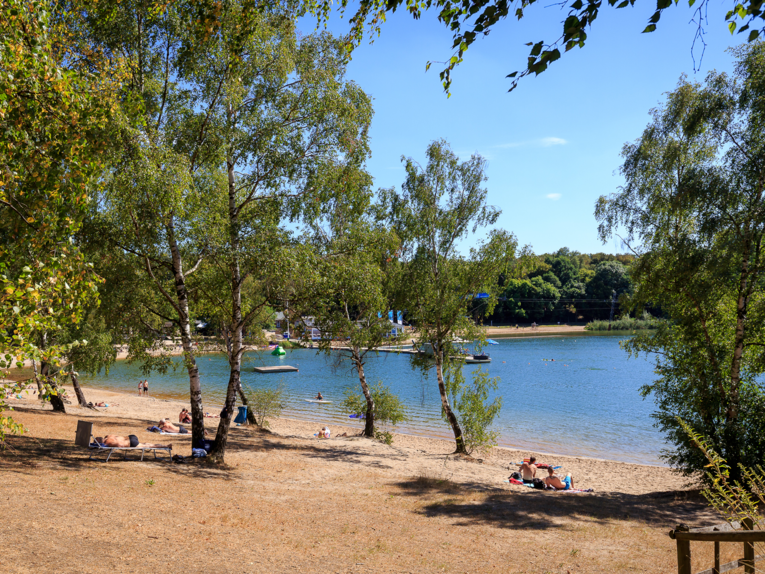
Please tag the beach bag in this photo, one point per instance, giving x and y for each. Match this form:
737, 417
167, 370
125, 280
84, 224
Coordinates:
538, 483
516, 476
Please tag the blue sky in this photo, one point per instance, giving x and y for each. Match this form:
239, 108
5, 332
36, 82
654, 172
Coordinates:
553, 144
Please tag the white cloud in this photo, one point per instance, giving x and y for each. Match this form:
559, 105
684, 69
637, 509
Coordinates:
553, 196
539, 142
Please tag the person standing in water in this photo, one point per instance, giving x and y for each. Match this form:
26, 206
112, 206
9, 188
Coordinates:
146, 388
140, 388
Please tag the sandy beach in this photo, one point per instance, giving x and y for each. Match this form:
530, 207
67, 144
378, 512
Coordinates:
409, 454
288, 502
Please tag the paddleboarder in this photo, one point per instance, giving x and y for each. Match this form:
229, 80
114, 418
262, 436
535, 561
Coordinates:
319, 397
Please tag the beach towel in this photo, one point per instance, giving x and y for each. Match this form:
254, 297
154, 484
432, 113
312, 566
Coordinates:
518, 482
160, 431
574, 490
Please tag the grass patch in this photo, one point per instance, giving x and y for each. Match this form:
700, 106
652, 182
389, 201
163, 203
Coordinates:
626, 324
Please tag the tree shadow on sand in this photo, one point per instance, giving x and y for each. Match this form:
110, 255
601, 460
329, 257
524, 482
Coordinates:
540, 510
27, 454
332, 453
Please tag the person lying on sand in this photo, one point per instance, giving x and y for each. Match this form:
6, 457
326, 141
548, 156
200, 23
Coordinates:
554, 480
211, 416
126, 441
184, 417
529, 470
167, 426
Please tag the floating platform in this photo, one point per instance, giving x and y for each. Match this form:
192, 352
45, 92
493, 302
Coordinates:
276, 369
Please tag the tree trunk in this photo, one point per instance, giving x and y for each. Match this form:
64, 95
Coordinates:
235, 346
450, 416
40, 389
250, 415
182, 296
55, 397
369, 425
78, 390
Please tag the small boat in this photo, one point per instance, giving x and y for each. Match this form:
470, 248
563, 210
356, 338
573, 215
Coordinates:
482, 358
278, 351
318, 401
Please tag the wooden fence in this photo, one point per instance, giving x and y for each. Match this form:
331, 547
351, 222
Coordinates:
735, 532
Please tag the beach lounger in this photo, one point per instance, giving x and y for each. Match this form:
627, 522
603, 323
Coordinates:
84, 438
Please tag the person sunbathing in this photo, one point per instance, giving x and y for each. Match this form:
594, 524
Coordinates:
211, 416
323, 433
529, 470
126, 441
554, 480
184, 417
167, 426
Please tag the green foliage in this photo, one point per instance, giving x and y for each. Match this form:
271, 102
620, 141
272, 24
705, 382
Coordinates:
470, 19
693, 208
565, 286
625, 324
265, 403
440, 205
609, 276
384, 437
475, 413
51, 155
734, 500
389, 410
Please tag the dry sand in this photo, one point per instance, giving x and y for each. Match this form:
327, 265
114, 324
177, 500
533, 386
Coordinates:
408, 456
287, 502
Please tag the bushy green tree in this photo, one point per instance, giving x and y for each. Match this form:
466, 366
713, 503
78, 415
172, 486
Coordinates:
439, 205
693, 207
388, 408
265, 403
54, 116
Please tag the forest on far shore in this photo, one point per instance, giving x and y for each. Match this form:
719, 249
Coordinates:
565, 286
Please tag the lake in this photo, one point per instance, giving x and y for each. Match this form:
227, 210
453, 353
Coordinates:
584, 403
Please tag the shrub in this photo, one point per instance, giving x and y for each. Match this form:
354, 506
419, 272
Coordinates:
476, 415
389, 410
265, 404
625, 324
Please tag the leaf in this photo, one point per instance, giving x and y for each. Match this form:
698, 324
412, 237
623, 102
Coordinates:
732, 27
649, 28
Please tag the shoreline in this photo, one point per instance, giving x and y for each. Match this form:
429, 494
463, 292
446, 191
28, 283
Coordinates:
213, 408
132, 407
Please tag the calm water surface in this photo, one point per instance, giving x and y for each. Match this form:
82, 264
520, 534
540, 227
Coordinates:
586, 402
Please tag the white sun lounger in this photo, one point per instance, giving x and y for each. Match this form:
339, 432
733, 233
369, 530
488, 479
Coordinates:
84, 438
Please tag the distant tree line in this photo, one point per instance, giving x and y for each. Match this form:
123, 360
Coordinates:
565, 286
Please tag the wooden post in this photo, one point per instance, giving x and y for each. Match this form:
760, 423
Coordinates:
716, 569
747, 524
683, 553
